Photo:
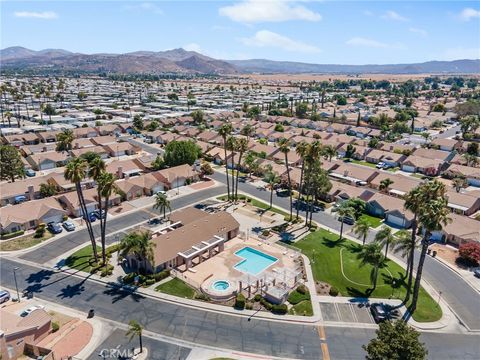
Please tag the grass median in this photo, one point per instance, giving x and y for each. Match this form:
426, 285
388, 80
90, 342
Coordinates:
335, 262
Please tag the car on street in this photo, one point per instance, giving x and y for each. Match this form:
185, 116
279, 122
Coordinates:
99, 214
379, 312
90, 217
31, 309
54, 228
380, 165
163, 192
30, 173
155, 221
4, 296
68, 225
347, 220
20, 199
476, 272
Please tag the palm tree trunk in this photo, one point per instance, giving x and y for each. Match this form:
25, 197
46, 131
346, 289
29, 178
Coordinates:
364, 239
101, 225
238, 166
233, 175
226, 167
386, 249
411, 258
341, 229
289, 186
300, 188
271, 195
87, 220
375, 277
141, 344
418, 278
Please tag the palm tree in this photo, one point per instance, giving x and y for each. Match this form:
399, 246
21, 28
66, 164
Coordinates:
76, 171
250, 163
106, 185
459, 183
271, 178
385, 185
433, 214
471, 160
403, 245
162, 203
139, 245
248, 131
135, 329
344, 210
242, 147
301, 150
284, 145
371, 254
329, 152
385, 237
232, 146
224, 131
361, 228
64, 140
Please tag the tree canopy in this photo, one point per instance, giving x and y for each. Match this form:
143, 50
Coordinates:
181, 152
11, 166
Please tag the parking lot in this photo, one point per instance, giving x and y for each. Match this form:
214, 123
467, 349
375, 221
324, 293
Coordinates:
346, 312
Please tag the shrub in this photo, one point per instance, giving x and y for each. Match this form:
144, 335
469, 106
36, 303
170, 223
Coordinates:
302, 289
128, 279
333, 291
161, 275
240, 302
249, 306
296, 297
39, 232
12, 234
470, 253
202, 297
266, 232
65, 217
280, 309
266, 304
55, 327
257, 297
149, 282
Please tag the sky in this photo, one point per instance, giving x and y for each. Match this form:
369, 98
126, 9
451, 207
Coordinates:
324, 32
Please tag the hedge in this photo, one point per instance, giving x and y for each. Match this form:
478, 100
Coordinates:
281, 309
12, 234
240, 302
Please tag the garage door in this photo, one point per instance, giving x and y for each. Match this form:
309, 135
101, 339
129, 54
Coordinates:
474, 182
395, 220
408, 168
52, 219
47, 166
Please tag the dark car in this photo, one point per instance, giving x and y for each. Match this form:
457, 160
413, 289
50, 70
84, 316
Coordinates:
476, 273
379, 312
154, 221
347, 220
91, 217
99, 214
54, 228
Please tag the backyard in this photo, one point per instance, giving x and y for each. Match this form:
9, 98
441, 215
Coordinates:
335, 262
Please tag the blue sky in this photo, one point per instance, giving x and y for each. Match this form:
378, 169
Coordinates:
341, 32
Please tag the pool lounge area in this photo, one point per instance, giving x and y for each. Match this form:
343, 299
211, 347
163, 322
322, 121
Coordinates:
254, 261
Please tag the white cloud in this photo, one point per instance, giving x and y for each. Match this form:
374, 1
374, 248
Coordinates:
469, 13
460, 53
265, 38
392, 15
421, 32
193, 47
255, 11
46, 15
145, 6
371, 43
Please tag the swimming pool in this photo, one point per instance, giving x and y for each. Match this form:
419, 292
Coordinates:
254, 261
221, 285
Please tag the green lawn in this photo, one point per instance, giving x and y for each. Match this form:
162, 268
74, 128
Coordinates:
326, 252
364, 163
372, 220
302, 308
23, 242
257, 203
176, 287
82, 258
296, 297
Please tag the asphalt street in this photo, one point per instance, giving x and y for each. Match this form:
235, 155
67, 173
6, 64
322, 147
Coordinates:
263, 337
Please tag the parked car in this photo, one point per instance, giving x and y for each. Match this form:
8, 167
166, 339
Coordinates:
99, 214
90, 217
380, 165
31, 309
379, 312
163, 192
347, 220
154, 221
476, 273
68, 225
4, 296
30, 173
20, 199
54, 228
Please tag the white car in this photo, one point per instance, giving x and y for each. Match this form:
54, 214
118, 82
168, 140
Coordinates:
31, 309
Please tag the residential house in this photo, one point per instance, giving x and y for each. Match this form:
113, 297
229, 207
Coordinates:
48, 160
85, 132
463, 203
120, 149
391, 209
471, 174
429, 167
400, 186
447, 144
460, 230
353, 174
99, 150
28, 189
48, 136
129, 167
177, 176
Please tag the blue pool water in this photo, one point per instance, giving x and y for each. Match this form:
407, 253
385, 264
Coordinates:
221, 285
254, 261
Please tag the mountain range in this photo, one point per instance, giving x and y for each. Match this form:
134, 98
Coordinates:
190, 62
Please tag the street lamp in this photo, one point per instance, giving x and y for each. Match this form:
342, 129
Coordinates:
16, 285
394, 283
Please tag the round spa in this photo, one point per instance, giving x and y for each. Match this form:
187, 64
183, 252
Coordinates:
218, 289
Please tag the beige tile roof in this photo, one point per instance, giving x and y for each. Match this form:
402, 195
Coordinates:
28, 211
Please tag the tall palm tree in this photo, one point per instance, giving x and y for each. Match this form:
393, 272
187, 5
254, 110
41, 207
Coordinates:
248, 131
224, 131
385, 185
162, 203
403, 245
250, 163
135, 329
434, 213
271, 178
371, 254
232, 146
329, 152
385, 237
139, 245
75, 171
361, 228
107, 186
242, 147
284, 145
301, 150
64, 140
344, 210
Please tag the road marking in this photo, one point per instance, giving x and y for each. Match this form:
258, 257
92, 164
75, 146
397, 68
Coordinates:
326, 355
321, 333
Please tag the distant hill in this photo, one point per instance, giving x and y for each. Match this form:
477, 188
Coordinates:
436, 67
191, 62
